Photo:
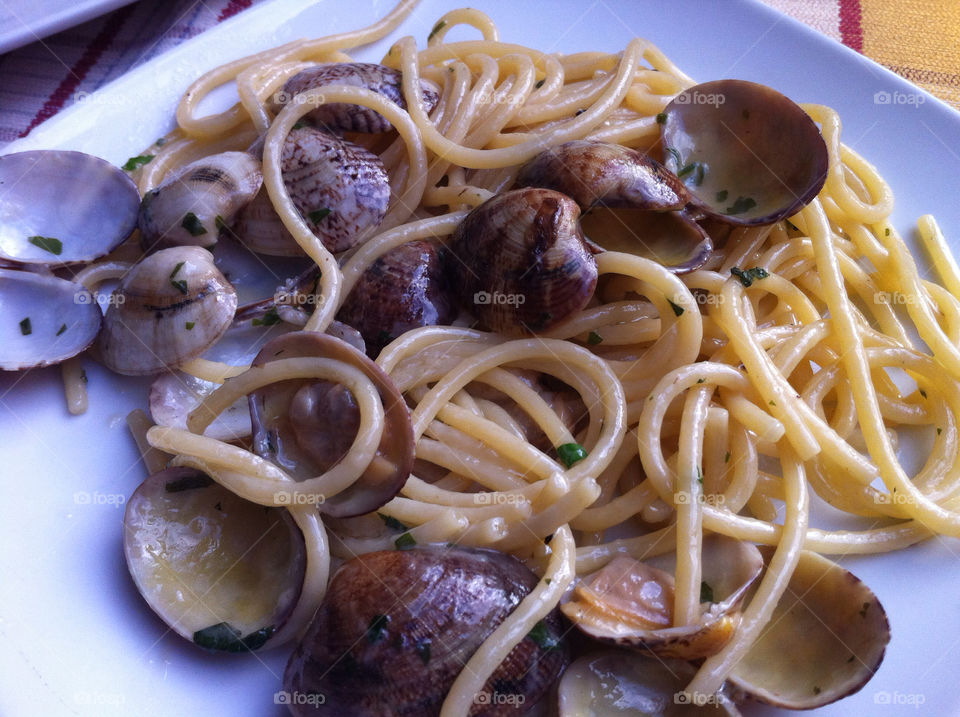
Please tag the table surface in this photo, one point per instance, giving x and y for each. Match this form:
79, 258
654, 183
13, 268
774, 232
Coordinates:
918, 39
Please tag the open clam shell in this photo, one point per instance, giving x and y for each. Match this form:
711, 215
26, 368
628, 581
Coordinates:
59, 207
46, 320
630, 603
615, 683
748, 154
220, 571
307, 426
396, 628
836, 630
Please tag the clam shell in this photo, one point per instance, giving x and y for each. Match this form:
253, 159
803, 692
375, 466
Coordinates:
169, 309
308, 426
837, 632
396, 628
46, 320
402, 290
747, 153
258, 227
599, 173
353, 118
195, 201
519, 262
84, 203
341, 189
212, 565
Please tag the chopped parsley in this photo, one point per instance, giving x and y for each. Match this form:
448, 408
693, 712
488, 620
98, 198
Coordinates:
299, 124
392, 522
268, 319
939, 430
571, 453
219, 223
722, 195
542, 636
747, 277
539, 84
706, 592
662, 118
864, 608
54, 246
698, 172
676, 156
377, 629
222, 637
318, 214
726, 458
594, 338
422, 649
405, 541
190, 325
193, 225
886, 232
63, 327
922, 392
741, 205
25, 327
677, 309
699, 475
140, 160
436, 28
179, 284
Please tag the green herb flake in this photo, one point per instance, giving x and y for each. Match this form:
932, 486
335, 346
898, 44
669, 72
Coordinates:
726, 457
706, 592
190, 325
392, 523
851, 658
922, 392
816, 690
83, 375
180, 285
436, 28
223, 637
422, 649
539, 84
25, 326
699, 475
188, 482
54, 246
701, 380
791, 225
939, 430
299, 124
317, 215
661, 118
546, 581
63, 327
571, 453
864, 608
140, 160
701, 173
747, 277
676, 156
193, 225
741, 205
886, 232
773, 403
268, 319
745, 114
218, 506
377, 629
722, 195
542, 636
176, 270
677, 309
594, 338
405, 541
220, 223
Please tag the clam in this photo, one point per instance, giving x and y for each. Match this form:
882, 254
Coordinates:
630, 603
61, 207
341, 189
748, 154
616, 682
519, 262
353, 118
630, 202
220, 571
169, 309
259, 228
195, 201
836, 630
396, 628
46, 320
404, 289
307, 426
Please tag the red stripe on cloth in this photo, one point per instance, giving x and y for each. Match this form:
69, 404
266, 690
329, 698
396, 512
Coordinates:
75, 76
851, 29
233, 8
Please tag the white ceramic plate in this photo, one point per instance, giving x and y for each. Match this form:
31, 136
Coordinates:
75, 637
24, 22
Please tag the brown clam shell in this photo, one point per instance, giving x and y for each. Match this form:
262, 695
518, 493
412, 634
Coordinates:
749, 155
404, 289
519, 262
353, 118
307, 426
341, 189
599, 173
396, 628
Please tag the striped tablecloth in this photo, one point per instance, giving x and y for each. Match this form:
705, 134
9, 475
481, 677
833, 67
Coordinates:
918, 39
